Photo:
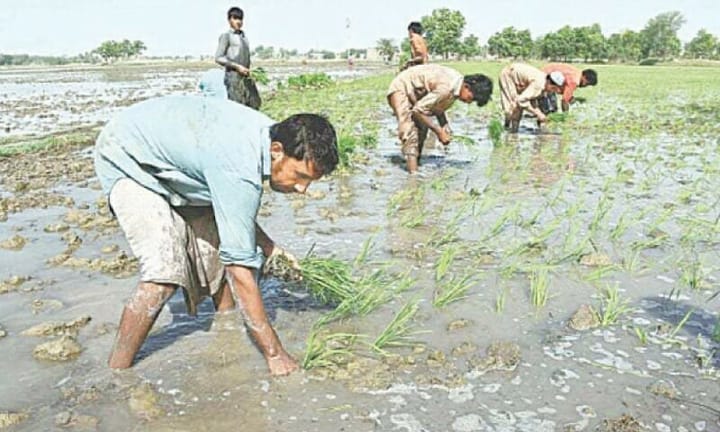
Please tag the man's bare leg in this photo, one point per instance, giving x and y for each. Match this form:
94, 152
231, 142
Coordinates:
137, 319
412, 163
223, 299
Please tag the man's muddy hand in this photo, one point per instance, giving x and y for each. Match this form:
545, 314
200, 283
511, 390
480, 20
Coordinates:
282, 364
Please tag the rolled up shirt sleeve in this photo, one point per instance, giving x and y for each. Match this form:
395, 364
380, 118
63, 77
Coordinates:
235, 201
428, 104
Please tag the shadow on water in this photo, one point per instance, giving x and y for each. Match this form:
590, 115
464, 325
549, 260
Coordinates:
275, 297
700, 324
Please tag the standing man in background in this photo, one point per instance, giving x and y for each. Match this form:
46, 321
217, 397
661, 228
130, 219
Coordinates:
418, 47
233, 53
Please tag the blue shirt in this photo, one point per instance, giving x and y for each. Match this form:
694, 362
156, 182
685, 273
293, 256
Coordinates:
212, 83
196, 151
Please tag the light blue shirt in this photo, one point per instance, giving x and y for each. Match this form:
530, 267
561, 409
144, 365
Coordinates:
212, 83
196, 151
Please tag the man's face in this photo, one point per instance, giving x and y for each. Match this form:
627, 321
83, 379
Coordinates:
466, 95
290, 175
236, 22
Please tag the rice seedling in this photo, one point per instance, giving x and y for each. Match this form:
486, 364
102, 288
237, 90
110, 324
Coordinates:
362, 256
620, 227
414, 218
453, 290
444, 261
495, 131
347, 145
612, 306
601, 272
631, 261
641, 335
325, 349
399, 332
539, 287
499, 225
500, 302
604, 205
681, 324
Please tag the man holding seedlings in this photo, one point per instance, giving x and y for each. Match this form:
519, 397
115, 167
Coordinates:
520, 85
183, 176
418, 47
233, 53
419, 97
574, 78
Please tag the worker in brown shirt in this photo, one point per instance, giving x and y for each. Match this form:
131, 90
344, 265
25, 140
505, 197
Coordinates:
420, 93
520, 85
418, 47
574, 78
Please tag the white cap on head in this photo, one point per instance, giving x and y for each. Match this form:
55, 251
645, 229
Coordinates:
557, 78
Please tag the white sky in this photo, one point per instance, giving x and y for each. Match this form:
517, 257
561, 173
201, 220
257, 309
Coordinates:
180, 27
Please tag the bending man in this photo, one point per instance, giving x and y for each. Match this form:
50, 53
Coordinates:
419, 97
183, 175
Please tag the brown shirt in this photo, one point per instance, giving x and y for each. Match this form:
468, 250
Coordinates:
572, 76
431, 88
418, 49
529, 82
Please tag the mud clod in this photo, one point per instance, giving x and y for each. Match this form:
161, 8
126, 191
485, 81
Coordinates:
58, 328
584, 318
144, 402
15, 242
63, 349
624, 423
8, 419
502, 356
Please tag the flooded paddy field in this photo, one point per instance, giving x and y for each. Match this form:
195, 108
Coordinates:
556, 281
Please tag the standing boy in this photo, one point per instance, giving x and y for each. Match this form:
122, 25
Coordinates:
233, 53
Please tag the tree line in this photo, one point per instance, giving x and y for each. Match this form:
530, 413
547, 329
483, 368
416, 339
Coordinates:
444, 33
657, 41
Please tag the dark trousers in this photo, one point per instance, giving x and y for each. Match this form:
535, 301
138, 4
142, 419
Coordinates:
242, 89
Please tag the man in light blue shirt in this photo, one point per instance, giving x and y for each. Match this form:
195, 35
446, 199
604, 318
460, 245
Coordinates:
183, 175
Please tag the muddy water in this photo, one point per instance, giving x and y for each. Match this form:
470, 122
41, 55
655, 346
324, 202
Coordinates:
477, 366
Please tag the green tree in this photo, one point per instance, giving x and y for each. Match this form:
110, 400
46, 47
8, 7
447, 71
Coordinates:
263, 52
386, 48
443, 30
704, 45
625, 47
659, 37
511, 43
590, 43
559, 45
470, 47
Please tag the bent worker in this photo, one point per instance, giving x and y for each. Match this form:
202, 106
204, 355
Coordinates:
183, 176
574, 78
419, 97
520, 85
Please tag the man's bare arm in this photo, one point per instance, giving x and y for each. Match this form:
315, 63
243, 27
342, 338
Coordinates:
242, 282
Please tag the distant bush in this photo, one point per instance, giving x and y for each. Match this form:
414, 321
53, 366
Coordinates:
649, 62
312, 80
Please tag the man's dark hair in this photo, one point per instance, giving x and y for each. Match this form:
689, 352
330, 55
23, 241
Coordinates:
481, 87
310, 137
235, 11
416, 28
590, 76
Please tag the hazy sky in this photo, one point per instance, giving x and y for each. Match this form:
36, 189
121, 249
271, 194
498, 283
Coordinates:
177, 27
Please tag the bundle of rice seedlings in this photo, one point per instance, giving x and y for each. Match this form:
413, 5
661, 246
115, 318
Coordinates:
259, 75
495, 131
329, 280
